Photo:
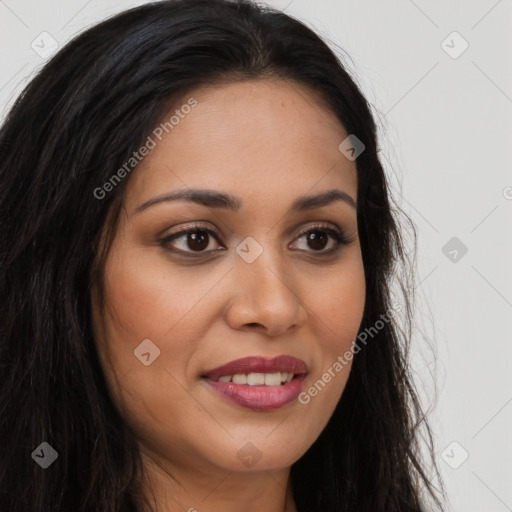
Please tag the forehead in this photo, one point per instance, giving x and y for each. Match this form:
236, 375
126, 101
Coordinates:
246, 137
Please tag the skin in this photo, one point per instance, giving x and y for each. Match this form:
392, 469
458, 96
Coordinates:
267, 142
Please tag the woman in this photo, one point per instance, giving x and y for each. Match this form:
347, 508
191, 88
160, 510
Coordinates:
197, 249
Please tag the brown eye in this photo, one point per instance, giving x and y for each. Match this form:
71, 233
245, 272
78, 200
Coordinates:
198, 241
318, 239
190, 240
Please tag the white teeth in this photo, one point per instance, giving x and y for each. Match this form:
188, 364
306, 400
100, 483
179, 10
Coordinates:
240, 378
258, 379
273, 379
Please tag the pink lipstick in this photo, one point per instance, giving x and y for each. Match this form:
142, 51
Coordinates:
259, 383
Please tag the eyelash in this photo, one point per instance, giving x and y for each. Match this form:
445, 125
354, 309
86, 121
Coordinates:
336, 234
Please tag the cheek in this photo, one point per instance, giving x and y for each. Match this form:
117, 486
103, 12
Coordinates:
336, 313
149, 299
338, 307
142, 304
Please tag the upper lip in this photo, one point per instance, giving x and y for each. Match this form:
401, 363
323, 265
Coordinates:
259, 364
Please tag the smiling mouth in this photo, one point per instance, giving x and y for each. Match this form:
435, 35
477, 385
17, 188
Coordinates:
258, 379
256, 369
258, 383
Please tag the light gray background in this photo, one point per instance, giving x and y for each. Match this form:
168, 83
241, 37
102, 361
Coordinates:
446, 127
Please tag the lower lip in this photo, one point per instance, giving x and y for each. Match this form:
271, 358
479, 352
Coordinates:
259, 398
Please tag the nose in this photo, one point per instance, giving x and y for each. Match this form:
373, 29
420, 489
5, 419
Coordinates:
265, 297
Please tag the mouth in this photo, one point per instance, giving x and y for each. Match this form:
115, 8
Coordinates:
258, 379
258, 383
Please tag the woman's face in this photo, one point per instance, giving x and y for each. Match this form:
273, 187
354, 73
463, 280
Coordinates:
261, 276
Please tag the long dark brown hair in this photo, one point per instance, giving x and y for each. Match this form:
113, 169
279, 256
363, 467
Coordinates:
90, 107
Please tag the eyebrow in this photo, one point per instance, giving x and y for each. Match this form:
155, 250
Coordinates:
214, 199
